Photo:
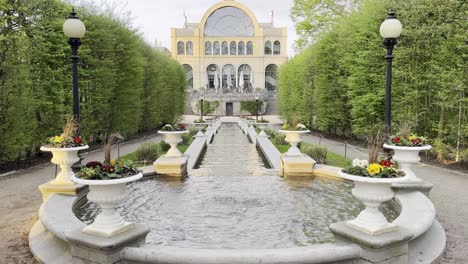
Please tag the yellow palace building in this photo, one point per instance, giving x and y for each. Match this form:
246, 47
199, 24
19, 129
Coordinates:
230, 57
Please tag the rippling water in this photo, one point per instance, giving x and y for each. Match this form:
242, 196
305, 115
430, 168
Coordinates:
228, 211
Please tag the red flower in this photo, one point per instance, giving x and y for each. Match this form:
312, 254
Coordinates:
107, 168
396, 139
182, 127
93, 164
386, 163
77, 140
416, 141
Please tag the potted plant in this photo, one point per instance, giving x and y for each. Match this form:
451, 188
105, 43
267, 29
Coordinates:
294, 131
406, 147
64, 150
107, 187
200, 125
173, 136
372, 185
262, 124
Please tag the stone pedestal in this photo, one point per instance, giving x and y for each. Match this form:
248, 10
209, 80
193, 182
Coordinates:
48, 189
91, 249
172, 166
387, 248
296, 166
419, 186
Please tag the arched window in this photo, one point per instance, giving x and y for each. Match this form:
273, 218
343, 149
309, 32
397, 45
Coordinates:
208, 48
189, 48
249, 48
270, 77
268, 48
241, 50
212, 71
276, 48
224, 48
216, 48
244, 72
189, 75
233, 48
229, 76
180, 48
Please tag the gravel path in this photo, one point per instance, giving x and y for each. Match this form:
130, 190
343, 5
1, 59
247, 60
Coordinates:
21, 199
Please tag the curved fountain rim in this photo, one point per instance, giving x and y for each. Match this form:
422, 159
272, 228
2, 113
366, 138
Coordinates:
418, 148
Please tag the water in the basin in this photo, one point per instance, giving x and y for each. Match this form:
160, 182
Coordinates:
229, 211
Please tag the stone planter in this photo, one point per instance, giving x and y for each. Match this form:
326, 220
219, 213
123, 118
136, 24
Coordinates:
293, 137
262, 127
372, 192
406, 158
200, 127
173, 138
65, 158
108, 194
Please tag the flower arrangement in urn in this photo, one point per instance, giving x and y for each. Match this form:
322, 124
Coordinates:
109, 168
294, 125
405, 138
68, 138
175, 127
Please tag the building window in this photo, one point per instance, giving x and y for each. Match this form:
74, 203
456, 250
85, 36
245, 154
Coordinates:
189, 48
270, 77
233, 48
229, 76
180, 48
189, 75
241, 50
245, 72
225, 48
213, 74
208, 48
216, 48
276, 48
249, 48
268, 48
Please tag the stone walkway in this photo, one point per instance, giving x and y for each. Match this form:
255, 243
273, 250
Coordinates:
20, 201
449, 196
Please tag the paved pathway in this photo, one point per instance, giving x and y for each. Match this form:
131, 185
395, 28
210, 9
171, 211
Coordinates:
449, 195
20, 200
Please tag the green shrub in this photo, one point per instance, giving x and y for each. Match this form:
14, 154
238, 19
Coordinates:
464, 156
193, 131
318, 153
187, 138
270, 132
280, 139
164, 146
147, 153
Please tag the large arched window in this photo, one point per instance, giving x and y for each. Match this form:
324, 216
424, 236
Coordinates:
233, 48
229, 76
229, 21
180, 48
268, 48
244, 72
189, 48
208, 48
224, 48
276, 48
212, 71
189, 74
270, 77
249, 48
216, 48
241, 50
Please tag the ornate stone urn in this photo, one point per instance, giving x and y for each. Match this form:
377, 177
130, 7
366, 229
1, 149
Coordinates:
262, 126
173, 138
406, 158
108, 194
200, 127
65, 158
372, 192
293, 137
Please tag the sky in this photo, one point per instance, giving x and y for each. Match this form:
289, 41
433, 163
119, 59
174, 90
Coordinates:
155, 18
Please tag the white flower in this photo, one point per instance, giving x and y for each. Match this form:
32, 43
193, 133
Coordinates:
301, 126
360, 163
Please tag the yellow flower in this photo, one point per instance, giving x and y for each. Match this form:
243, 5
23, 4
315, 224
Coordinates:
411, 137
374, 168
58, 139
112, 162
285, 126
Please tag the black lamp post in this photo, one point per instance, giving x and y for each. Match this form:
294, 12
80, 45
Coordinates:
390, 30
75, 30
256, 100
201, 108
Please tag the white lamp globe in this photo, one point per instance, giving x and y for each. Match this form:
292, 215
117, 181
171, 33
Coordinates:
74, 28
390, 28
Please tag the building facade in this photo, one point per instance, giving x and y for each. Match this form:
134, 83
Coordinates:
229, 56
